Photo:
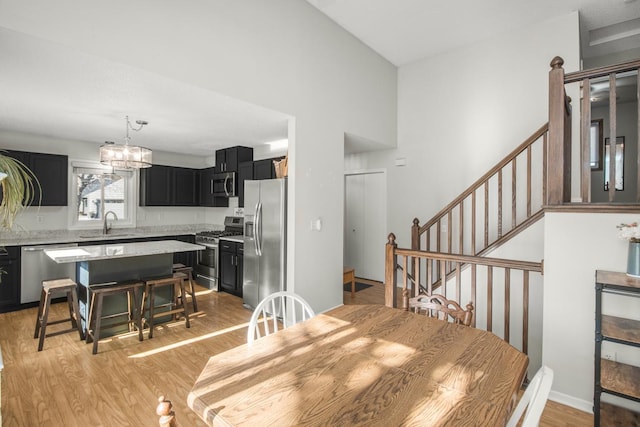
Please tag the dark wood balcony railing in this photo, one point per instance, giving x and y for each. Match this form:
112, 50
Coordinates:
560, 141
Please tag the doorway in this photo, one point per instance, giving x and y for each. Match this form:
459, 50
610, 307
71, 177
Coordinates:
365, 219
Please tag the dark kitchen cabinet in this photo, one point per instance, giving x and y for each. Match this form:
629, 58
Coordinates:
155, 186
168, 186
229, 159
230, 267
10, 275
264, 169
245, 172
52, 173
207, 190
186, 185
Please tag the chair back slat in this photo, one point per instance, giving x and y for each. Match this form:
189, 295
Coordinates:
279, 309
438, 306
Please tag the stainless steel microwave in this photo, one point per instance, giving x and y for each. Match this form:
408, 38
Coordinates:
224, 184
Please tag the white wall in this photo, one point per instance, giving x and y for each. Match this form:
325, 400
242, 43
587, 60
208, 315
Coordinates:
575, 246
459, 113
282, 54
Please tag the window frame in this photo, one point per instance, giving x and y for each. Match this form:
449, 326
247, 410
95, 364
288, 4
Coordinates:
131, 197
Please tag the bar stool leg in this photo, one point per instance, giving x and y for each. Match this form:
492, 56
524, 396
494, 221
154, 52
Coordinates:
45, 316
184, 304
193, 292
76, 313
152, 303
98, 321
39, 317
136, 311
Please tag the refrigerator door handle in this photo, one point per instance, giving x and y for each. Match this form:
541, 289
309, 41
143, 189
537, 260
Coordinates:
255, 228
259, 229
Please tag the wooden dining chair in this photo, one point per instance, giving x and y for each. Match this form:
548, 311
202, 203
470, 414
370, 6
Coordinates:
277, 311
438, 306
533, 400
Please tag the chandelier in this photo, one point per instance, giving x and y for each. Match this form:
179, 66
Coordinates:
125, 156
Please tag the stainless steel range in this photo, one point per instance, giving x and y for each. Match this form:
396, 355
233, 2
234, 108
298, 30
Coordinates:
207, 265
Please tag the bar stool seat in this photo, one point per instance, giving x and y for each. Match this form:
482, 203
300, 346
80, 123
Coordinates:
176, 280
191, 290
51, 288
133, 315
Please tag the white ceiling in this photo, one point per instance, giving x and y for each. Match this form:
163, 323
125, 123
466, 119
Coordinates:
48, 89
404, 31
52, 90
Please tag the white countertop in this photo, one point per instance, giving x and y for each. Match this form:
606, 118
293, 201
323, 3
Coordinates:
48, 237
122, 250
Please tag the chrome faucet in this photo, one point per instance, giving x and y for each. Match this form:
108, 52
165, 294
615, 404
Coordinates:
105, 227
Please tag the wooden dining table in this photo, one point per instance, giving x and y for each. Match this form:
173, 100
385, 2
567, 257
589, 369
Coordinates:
363, 365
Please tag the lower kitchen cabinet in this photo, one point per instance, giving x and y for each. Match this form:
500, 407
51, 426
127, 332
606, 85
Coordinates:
10, 275
230, 267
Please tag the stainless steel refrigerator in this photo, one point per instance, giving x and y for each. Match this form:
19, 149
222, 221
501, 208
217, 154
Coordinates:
265, 239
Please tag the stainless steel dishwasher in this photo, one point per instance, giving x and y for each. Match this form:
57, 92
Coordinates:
36, 266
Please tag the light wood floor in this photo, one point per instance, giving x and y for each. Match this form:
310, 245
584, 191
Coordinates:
65, 385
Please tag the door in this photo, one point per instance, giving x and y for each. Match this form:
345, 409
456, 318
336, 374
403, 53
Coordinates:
365, 232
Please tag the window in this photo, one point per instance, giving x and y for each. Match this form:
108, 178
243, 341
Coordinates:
596, 145
96, 190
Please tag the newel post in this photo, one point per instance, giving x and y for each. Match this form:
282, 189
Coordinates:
390, 262
558, 179
415, 235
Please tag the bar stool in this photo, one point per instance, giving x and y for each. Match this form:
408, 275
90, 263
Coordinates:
133, 319
177, 279
181, 268
50, 288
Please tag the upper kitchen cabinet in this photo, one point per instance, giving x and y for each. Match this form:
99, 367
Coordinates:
168, 186
245, 172
52, 173
186, 184
229, 159
264, 169
155, 186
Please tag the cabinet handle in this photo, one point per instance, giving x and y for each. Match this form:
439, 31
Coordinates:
211, 185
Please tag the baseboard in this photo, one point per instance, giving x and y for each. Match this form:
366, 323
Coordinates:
574, 402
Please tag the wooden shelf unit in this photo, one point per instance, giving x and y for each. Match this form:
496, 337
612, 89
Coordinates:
614, 378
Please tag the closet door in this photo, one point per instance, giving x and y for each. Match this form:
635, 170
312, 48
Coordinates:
365, 231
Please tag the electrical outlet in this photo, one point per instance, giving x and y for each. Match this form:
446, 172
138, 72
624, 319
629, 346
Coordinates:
609, 355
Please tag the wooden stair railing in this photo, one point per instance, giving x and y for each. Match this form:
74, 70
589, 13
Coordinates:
461, 218
399, 261
560, 143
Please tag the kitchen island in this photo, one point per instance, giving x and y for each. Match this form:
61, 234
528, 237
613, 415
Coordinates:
112, 263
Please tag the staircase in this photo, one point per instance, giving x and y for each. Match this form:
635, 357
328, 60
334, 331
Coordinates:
448, 254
